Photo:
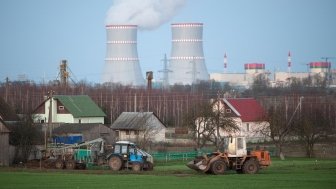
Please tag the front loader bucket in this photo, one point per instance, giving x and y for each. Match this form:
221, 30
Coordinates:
196, 166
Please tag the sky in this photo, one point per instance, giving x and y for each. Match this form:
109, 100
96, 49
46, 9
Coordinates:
36, 35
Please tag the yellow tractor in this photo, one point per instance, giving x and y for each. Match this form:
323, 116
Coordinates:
234, 157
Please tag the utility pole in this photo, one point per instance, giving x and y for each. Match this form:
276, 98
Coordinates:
165, 71
50, 97
329, 75
193, 74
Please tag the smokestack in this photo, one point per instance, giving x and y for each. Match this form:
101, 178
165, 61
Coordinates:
225, 63
289, 60
122, 62
187, 57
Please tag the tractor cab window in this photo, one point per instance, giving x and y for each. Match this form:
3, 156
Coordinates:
124, 149
132, 150
117, 149
240, 143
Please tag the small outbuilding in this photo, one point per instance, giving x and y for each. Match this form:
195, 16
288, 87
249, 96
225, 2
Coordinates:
135, 126
70, 133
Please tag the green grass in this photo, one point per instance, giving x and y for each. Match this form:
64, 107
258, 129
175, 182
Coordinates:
290, 173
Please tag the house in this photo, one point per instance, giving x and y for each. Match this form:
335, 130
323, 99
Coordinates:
134, 126
69, 109
70, 133
7, 118
4, 144
248, 114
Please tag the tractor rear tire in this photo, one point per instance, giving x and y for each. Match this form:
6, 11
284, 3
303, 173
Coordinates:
115, 163
136, 166
251, 166
150, 166
59, 164
70, 164
218, 167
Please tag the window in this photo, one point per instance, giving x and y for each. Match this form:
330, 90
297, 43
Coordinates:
136, 132
228, 111
247, 127
240, 144
127, 132
60, 107
79, 121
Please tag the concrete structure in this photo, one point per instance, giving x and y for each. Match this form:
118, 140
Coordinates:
138, 126
122, 62
69, 109
187, 63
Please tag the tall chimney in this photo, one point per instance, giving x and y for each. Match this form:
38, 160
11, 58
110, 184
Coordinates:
122, 62
187, 58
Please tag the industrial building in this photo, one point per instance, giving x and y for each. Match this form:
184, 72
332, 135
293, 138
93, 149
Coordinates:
319, 69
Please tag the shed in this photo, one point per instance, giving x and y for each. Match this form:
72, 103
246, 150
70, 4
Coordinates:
135, 126
70, 133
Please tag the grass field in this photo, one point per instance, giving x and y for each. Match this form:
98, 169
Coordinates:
290, 173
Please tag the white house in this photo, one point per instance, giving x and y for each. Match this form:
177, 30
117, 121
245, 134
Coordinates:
134, 126
69, 109
248, 114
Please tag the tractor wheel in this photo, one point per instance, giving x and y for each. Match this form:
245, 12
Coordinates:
218, 167
136, 166
150, 166
70, 164
251, 166
59, 164
115, 163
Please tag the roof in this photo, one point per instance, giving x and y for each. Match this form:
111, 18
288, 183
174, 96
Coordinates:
249, 109
3, 128
133, 120
80, 106
75, 127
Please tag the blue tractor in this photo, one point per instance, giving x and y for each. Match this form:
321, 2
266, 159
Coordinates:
126, 155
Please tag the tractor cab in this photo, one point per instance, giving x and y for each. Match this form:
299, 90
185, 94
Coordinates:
128, 151
235, 146
128, 155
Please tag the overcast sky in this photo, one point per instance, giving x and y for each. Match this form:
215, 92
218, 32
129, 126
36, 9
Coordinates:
36, 34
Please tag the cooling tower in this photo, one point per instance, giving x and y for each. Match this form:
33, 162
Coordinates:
187, 58
122, 62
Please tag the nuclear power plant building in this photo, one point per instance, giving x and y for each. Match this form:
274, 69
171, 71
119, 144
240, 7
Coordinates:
122, 62
187, 65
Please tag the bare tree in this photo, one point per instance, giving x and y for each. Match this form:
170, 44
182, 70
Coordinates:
147, 131
312, 125
197, 120
220, 122
278, 128
24, 136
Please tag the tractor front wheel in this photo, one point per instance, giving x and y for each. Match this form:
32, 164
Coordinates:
136, 167
59, 164
70, 164
218, 167
115, 163
251, 166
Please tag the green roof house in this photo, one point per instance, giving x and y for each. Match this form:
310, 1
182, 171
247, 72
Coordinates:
69, 109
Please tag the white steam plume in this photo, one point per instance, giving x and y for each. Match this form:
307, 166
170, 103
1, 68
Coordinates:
147, 14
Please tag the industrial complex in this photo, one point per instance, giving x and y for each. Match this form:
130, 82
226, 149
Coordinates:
187, 65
